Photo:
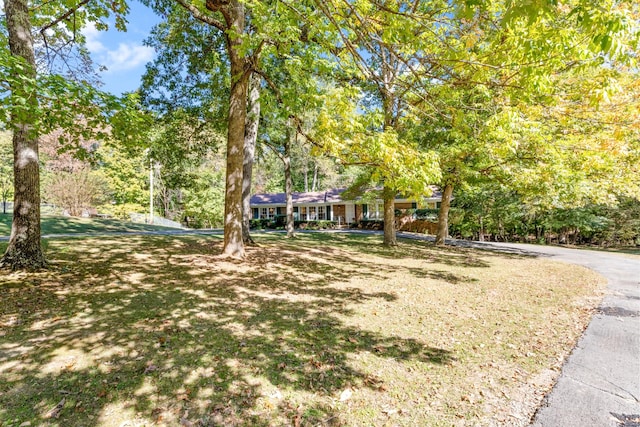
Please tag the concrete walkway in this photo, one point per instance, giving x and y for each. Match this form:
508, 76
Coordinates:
600, 382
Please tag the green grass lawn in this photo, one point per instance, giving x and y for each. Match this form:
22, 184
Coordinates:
52, 224
322, 330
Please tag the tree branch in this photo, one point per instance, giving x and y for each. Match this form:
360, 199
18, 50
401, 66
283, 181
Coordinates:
62, 17
202, 17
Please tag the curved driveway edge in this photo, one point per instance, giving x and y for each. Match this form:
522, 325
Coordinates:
599, 385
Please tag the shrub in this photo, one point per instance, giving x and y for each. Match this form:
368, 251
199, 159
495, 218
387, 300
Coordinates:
259, 223
122, 211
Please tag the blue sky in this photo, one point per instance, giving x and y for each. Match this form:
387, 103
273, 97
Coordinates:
123, 53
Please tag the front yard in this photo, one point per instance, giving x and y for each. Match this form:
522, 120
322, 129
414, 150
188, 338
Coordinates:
321, 330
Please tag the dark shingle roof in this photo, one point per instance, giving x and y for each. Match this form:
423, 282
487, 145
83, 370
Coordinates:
329, 196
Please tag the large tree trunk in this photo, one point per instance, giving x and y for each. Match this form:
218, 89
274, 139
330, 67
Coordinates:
250, 137
233, 244
24, 250
288, 186
389, 217
443, 215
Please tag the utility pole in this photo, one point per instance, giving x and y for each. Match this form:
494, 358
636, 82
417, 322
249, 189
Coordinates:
150, 191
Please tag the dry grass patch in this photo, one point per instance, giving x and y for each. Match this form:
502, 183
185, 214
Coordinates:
321, 330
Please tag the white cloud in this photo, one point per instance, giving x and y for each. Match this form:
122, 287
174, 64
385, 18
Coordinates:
92, 37
126, 56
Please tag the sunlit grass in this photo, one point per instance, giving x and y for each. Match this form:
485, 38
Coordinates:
56, 224
320, 330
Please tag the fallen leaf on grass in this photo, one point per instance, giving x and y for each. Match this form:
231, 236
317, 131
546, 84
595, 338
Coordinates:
184, 420
375, 383
55, 411
379, 349
150, 368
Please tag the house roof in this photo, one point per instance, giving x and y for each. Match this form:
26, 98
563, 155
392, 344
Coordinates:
329, 196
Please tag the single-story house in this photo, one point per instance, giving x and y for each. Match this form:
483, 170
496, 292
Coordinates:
329, 205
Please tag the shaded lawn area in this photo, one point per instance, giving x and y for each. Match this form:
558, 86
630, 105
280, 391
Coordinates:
55, 224
321, 330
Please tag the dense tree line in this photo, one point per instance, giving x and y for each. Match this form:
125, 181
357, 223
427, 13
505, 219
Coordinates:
500, 214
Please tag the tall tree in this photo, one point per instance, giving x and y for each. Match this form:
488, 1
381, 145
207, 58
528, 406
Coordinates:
39, 103
24, 250
250, 30
233, 27
381, 40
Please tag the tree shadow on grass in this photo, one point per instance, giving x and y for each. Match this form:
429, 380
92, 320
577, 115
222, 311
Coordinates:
140, 330
371, 244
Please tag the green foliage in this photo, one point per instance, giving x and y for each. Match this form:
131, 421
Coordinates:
61, 99
126, 176
6, 167
122, 211
203, 200
279, 222
501, 214
350, 136
190, 72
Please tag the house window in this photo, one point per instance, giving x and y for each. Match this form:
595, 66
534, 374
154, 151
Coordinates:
312, 213
272, 212
379, 210
372, 211
321, 214
264, 213
256, 213
296, 214
303, 213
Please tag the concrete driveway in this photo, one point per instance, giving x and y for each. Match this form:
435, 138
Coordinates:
600, 382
